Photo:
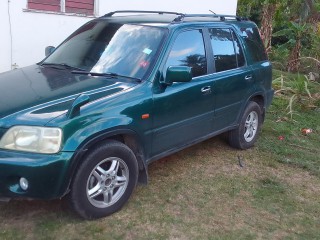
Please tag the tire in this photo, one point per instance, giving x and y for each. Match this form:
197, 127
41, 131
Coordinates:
246, 134
105, 181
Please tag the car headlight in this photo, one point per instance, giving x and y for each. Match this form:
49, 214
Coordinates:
32, 139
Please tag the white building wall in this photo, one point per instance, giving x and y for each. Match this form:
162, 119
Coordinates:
30, 33
24, 34
183, 6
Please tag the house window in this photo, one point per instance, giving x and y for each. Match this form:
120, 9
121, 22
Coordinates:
79, 6
66, 6
46, 5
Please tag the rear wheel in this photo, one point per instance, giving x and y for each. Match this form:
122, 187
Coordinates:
247, 132
105, 180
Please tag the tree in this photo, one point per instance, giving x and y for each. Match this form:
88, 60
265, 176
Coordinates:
301, 14
266, 29
295, 33
269, 8
271, 14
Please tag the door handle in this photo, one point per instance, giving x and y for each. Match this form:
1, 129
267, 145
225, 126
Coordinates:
248, 77
206, 90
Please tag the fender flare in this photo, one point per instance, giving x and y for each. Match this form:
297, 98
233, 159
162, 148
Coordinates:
84, 147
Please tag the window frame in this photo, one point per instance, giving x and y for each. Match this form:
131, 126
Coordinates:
237, 39
204, 33
62, 10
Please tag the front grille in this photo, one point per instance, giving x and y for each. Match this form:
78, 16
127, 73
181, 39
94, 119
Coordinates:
2, 132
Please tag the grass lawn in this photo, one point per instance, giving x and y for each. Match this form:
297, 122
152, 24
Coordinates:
209, 191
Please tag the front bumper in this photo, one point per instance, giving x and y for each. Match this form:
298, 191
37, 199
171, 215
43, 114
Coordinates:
46, 174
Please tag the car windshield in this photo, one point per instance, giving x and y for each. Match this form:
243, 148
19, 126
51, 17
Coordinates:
102, 47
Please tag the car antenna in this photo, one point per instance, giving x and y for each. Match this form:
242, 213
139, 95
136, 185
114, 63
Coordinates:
212, 12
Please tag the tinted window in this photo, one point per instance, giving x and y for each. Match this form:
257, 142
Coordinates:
238, 49
188, 50
223, 49
254, 44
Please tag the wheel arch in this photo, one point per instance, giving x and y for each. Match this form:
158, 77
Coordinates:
237, 136
126, 136
260, 100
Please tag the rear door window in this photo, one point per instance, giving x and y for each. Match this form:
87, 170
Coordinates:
226, 49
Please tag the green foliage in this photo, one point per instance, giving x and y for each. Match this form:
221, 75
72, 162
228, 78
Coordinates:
279, 57
314, 50
290, 24
297, 91
251, 9
293, 30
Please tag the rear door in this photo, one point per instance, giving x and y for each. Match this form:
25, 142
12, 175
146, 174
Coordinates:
232, 80
262, 70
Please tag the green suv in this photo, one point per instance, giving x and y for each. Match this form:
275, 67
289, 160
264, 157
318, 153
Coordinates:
122, 91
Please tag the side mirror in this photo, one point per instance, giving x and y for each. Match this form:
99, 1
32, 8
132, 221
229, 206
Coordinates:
178, 74
49, 50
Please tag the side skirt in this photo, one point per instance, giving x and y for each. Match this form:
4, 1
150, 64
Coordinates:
179, 148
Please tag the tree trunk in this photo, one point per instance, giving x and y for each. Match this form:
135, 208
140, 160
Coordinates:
266, 25
294, 58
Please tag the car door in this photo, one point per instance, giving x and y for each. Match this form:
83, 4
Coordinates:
183, 112
232, 80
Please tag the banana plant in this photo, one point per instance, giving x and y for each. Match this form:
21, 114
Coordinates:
295, 33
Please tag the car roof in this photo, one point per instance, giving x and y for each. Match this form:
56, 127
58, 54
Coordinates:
161, 20
165, 19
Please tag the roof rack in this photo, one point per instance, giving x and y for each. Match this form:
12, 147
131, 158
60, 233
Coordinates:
220, 16
110, 14
181, 16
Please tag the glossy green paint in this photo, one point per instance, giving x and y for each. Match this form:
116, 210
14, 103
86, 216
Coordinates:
177, 74
230, 87
120, 111
180, 113
45, 174
183, 113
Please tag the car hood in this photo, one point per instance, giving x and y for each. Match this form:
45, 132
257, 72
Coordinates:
45, 92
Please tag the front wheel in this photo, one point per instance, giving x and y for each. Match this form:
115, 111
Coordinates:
105, 180
247, 132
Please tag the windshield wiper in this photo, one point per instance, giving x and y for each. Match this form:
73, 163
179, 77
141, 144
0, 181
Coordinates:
111, 75
59, 65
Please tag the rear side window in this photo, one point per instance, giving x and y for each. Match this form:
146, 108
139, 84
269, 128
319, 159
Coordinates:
226, 49
188, 50
254, 44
